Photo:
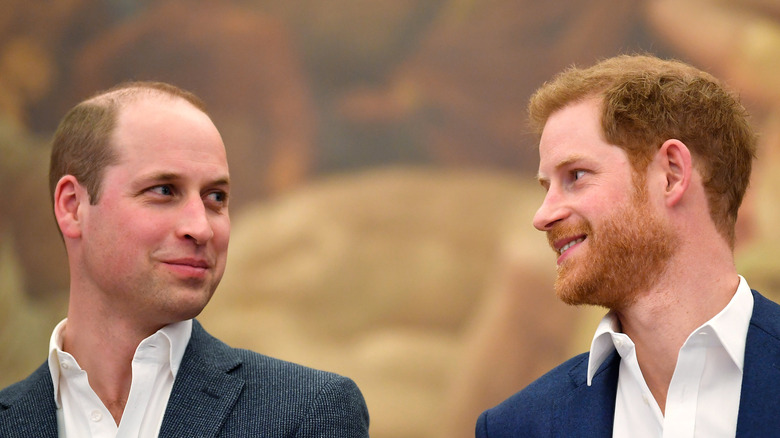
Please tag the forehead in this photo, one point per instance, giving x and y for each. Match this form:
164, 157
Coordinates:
573, 130
570, 127
573, 136
158, 128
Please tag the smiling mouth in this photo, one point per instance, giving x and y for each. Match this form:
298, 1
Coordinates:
570, 244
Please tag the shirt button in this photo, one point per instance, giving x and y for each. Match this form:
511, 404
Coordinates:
96, 416
64, 365
645, 399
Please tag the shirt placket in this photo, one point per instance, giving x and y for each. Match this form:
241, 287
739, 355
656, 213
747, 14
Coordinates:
146, 370
94, 414
683, 395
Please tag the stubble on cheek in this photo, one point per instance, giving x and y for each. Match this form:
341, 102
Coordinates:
622, 258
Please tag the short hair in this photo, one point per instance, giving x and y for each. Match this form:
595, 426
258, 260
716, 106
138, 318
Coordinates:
646, 101
81, 145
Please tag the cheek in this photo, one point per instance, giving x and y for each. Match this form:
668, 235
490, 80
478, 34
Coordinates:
126, 228
221, 237
602, 204
133, 231
143, 227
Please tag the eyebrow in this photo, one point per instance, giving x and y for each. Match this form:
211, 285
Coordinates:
170, 177
561, 164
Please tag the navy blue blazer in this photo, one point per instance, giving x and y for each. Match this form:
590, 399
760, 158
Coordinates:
219, 391
561, 404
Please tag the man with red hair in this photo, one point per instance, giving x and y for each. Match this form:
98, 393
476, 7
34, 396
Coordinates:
645, 163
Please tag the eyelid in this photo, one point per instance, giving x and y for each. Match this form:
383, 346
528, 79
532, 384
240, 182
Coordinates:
543, 181
216, 190
224, 194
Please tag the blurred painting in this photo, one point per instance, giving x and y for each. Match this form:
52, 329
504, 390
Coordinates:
383, 171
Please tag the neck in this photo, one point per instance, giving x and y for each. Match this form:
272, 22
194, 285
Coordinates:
661, 319
104, 347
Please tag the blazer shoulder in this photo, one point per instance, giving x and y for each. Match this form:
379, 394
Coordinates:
27, 407
325, 401
328, 404
761, 371
257, 367
253, 367
527, 411
766, 315
286, 396
34, 383
560, 403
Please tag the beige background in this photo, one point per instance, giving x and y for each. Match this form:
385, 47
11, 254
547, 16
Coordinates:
383, 173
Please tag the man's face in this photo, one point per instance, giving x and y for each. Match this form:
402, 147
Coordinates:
155, 244
611, 241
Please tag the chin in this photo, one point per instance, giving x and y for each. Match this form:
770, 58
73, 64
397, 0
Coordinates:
577, 292
190, 304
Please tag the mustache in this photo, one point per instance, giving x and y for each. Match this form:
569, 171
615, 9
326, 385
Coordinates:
564, 230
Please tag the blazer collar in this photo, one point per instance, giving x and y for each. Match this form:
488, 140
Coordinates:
204, 391
761, 377
588, 410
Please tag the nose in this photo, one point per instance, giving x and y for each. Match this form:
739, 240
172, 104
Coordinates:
195, 223
551, 211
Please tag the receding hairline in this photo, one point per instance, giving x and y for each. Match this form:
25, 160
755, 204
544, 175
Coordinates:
130, 92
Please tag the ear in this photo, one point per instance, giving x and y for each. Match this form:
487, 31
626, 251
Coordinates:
69, 196
675, 161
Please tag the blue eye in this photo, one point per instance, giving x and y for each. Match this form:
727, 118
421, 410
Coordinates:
577, 174
164, 190
218, 197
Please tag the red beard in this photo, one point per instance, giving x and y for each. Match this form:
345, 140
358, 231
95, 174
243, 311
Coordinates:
619, 260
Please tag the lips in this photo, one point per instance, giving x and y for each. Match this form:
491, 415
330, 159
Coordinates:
188, 267
565, 237
192, 262
565, 244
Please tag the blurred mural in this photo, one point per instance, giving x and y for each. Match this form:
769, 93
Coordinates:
384, 175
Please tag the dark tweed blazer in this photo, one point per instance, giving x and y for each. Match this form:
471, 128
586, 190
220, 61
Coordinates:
561, 404
219, 391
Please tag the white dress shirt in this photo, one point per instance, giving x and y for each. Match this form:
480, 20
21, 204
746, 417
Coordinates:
703, 396
81, 413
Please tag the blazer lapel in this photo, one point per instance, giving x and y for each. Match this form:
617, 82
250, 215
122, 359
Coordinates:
204, 392
589, 411
760, 394
30, 411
